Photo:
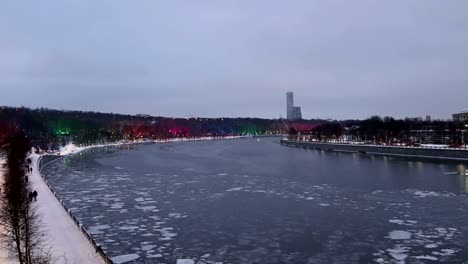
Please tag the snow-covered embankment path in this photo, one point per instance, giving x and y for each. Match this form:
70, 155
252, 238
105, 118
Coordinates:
68, 243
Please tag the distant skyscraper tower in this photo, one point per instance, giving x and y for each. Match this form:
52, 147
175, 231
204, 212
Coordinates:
297, 115
289, 105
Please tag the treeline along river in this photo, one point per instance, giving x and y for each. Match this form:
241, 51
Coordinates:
255, 201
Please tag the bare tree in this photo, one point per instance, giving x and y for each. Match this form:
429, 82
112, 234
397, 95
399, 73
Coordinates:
21, 229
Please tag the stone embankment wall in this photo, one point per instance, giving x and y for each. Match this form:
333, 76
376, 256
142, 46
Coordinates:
437, 153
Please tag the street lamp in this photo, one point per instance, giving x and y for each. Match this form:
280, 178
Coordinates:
463, 135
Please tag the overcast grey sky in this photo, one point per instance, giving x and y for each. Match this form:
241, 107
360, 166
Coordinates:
342, 59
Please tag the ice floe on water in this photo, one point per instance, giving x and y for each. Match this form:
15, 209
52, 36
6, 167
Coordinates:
399, 235
398, 253
94, 230
177, 215
425, 194
403, 222
431, 245
235, 189
185, 261
148, 247
167, 233
426, 257
446, 252
147, 208
117, 205
125, 258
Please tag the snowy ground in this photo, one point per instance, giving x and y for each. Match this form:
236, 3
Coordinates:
68, 243
73, 149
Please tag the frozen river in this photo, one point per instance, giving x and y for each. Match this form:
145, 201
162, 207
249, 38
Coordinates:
249, 201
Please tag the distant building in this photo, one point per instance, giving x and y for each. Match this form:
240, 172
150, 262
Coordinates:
292, 112
428, 118
461, 116
289, 105
143, 115
414, 119
297, 115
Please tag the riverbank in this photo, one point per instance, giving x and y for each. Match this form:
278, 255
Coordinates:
418, 152
74, 149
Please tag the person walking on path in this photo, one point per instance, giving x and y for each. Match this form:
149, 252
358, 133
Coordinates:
35, 195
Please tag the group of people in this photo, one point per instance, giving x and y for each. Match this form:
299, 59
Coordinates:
32, 196
29, 169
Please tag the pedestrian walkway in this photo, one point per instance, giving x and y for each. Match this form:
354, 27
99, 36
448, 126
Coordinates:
68, 243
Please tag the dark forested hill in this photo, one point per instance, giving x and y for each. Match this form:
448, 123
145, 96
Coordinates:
48, 129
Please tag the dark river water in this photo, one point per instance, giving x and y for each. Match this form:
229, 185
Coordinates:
255, 201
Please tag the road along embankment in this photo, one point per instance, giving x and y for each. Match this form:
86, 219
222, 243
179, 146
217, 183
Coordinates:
419, 152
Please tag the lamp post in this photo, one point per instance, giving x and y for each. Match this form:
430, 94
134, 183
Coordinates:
463, 135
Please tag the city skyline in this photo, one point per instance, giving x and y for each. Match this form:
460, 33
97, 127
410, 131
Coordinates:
346, 59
